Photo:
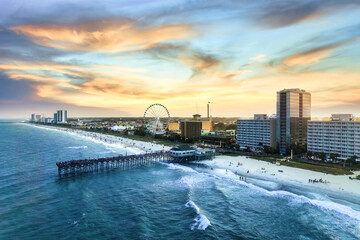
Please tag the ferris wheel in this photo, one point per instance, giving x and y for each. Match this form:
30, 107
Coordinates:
156, 118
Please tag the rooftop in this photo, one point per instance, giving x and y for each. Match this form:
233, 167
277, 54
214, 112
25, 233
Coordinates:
182, 148
295, 90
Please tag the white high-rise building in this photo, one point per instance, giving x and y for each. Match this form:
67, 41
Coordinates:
38, 118
256, 133
340, 136
61, 116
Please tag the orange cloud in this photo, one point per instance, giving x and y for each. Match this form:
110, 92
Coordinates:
106, 35
313, 55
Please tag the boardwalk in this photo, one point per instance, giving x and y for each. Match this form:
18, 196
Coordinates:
99, 164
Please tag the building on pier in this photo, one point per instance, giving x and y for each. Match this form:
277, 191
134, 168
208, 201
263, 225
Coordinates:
182, 151
187, 153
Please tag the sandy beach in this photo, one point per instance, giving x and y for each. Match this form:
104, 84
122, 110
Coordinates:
247, 167
133, 146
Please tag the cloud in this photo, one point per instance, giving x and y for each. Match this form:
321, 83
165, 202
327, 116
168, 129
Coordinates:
280, 13
14, 90
311, 56
257, 58
109, 36
303, 60
209, 65
18, 47
177, 53
202, 64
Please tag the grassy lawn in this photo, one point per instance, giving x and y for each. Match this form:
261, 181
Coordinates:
307, 166
317, 168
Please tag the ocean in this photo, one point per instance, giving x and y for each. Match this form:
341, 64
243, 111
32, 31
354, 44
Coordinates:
161, 201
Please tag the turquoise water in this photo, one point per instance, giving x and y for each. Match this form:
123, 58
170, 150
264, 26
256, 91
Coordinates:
162, 201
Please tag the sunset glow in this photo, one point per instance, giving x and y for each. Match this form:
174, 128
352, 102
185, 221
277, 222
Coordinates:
116, 59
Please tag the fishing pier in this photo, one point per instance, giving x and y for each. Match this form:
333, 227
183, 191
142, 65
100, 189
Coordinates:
178, 154
74, 167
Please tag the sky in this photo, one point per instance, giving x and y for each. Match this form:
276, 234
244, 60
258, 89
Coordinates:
114, 58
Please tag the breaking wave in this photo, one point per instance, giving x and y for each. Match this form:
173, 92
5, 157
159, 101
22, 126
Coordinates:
201, 222
325, 205
77, 147
299, 199
180, 167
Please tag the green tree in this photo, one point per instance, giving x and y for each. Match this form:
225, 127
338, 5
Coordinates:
231, 127
140, 131
334, 156
310, 155
219, 126
322, 156
270, 150
351, 160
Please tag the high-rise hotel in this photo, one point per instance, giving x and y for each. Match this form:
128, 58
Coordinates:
340, 136
61, 116
293, 112
256, 133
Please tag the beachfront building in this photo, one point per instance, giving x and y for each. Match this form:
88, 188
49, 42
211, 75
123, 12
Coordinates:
32, 119
206, 126
340, 135
191, 129
61, 116
37, 118
55, 118
48, 120
256, 133
293, 112
174, 127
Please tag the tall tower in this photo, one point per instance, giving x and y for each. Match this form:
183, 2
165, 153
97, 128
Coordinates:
208, 110
293, 112
61, 116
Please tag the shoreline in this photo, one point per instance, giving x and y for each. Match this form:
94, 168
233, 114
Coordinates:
261, 170
134, 146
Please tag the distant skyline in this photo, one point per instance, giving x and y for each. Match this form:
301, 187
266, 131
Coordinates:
115, 58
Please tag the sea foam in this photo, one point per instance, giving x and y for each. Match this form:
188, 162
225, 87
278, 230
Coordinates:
325, 205
180, 167
201, 222
193, 205
77, 147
